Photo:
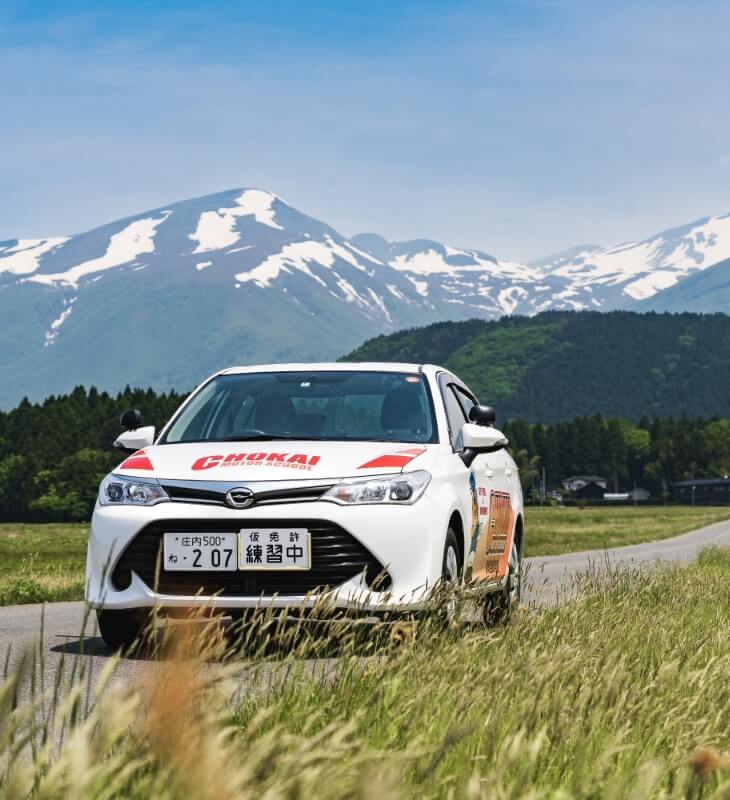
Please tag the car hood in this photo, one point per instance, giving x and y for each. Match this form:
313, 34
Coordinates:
277, 460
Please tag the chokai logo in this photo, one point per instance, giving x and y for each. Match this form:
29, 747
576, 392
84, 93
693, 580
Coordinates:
287, 460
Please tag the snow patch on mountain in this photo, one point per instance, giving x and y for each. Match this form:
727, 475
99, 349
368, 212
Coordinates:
424, 263
421, 286
652, 283
380, 303
639, 270
362, 253
216, 230
25, 255
509, 298
134, 240
298, 256
291, 256
52, 333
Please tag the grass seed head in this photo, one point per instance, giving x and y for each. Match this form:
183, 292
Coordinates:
705, 761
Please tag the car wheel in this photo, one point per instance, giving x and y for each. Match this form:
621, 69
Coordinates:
120, 629
450, 571
450, 577
499, 606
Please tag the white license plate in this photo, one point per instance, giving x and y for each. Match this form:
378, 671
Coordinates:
201, 552
274, 548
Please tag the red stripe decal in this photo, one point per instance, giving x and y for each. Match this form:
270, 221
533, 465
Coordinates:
138, 460
398, 459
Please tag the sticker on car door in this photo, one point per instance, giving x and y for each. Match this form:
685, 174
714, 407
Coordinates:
491, 531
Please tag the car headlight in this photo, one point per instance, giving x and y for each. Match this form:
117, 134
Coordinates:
119, 490
401, 489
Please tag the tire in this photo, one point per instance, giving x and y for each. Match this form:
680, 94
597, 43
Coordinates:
499, 606
450, 578
120, 629
450, 567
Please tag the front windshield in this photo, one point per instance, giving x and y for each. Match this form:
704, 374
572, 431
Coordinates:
334, 405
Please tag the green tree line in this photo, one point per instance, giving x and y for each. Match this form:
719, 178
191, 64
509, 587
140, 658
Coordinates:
651, 455
563, 364
54, 454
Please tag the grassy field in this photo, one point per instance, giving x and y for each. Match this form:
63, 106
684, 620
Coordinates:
45, 562
621, 693
551, 531
42, 563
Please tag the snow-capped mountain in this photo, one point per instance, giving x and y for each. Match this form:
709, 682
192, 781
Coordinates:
167, 296
617, 276
170, 295
469, 283
581, 278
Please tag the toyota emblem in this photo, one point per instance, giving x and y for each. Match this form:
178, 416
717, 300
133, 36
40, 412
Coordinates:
240, 497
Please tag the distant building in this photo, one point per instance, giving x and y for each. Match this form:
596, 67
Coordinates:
576, 482
590, 491
703, 491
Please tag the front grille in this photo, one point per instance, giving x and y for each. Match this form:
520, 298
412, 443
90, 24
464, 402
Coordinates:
264, 493
336, 557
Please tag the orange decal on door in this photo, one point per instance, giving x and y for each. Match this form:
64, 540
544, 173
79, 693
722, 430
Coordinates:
492, 548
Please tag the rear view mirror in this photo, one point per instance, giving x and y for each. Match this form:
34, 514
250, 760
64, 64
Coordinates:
131, 419
480, 439
138, 439
134, 437
482, 415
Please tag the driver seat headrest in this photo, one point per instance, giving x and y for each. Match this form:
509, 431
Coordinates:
402, 410
275, 413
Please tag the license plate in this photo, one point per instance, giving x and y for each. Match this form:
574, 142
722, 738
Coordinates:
201, 552
274, 549
250, 549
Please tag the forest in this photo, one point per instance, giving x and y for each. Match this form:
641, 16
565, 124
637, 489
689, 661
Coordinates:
650, 455
560, 365
54, 454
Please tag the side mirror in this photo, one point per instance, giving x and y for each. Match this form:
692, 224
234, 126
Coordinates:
131, 419
482, 415
138, 439
480, 439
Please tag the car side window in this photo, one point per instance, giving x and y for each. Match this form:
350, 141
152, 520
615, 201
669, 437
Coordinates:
455, 416
466, 400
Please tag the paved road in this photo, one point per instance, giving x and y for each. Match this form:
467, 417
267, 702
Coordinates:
548, 578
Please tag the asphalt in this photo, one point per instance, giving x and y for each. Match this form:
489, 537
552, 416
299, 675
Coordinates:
58, 632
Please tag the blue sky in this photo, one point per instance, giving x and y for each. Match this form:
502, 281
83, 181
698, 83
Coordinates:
516, 127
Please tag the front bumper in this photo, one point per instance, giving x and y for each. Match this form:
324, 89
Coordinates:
407, 541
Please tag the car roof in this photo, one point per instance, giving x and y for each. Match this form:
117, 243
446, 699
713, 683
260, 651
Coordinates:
339, 366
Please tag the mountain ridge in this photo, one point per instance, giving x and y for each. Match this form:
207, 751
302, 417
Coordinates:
707, 291
168, 295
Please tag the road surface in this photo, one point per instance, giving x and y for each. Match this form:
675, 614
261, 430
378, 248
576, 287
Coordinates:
548, 578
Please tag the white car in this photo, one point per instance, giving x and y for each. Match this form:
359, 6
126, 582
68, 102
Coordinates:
274, 485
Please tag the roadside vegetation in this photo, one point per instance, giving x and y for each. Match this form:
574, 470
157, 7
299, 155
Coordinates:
620, 692
555, 530
46, 562
42, 562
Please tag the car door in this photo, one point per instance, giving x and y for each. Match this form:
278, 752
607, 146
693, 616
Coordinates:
491, 477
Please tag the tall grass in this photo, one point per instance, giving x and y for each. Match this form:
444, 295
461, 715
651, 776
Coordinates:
622, 692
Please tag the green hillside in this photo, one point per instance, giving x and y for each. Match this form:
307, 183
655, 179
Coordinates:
560, 365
